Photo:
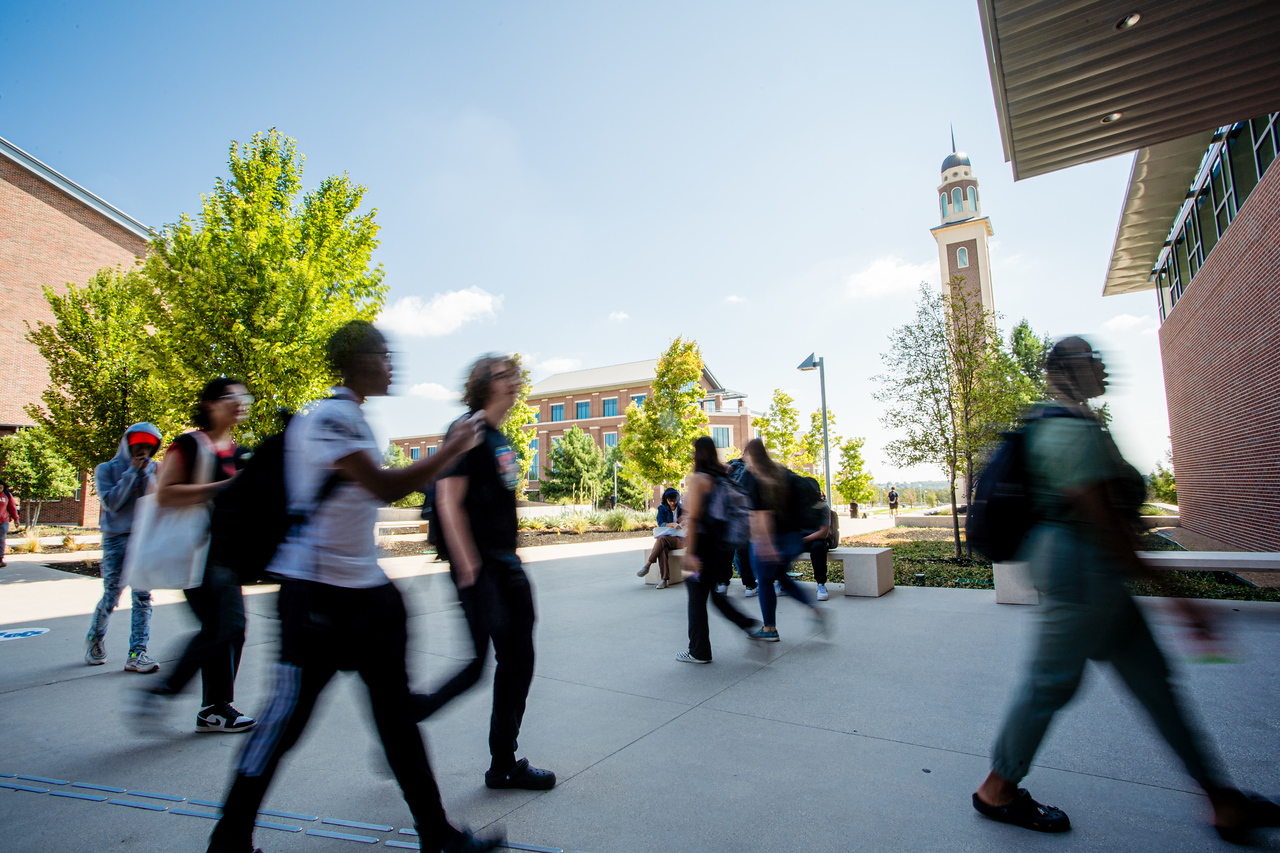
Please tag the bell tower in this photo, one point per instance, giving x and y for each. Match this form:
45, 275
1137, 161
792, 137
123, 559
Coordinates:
962, 237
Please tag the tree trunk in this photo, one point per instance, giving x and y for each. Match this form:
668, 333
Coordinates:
968, 497
955, 516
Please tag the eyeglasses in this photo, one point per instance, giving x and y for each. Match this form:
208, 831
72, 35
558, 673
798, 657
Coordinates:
384, 354
239, 399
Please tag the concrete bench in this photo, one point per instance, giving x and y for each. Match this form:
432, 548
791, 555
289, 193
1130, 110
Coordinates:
867, 571
1014, 586
675, 560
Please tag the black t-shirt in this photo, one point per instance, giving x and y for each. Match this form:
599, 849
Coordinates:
230, 458
492, 470
782, 521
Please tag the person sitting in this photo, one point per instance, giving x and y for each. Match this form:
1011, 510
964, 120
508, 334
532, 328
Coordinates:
669, 515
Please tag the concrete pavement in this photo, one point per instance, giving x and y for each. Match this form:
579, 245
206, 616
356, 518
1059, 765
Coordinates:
870, 739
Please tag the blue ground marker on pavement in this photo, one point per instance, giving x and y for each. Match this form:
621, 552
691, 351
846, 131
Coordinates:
342, 836
44, 780
151, 796
205, 803
283, 814
194, 813
26, 788
8, 775
283, 827
75, 795
514, 846
107, 788
355, 824
131, 804
404, 845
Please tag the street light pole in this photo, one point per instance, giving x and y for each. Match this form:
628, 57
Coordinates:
616, 466
819, 363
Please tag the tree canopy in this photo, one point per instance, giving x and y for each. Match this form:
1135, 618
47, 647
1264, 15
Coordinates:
576, 469
852, 482
521, 414
657, 438
779, 428
35, 469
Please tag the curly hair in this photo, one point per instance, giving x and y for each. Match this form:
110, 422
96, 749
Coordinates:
348, 341
479, 385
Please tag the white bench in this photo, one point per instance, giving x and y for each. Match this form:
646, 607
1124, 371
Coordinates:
867, 571
675, 561
1014, 586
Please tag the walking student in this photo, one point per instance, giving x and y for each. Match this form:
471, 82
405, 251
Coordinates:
338, 611
476, 504
741, 557
708, 561
197, 467
8, 515
1081, 551
120, 481
670, 519
893, 501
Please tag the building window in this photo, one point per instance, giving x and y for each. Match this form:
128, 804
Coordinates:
962, 257
973, 199
413, 454
537, 416
557, 412
610, 408
610, 440
942, 201
956, 200
431, 451
584, 409
533, 469
720, 435
638, 400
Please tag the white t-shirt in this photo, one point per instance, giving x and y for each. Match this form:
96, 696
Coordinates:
336, 544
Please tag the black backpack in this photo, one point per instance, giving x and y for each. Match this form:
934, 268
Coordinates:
1000, 515
808, 511
435, 538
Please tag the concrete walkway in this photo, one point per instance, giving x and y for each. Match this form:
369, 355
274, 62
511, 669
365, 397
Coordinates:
871, 739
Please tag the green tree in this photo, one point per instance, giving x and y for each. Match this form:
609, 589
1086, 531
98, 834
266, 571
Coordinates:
394, 457
577, 469
254, 284
1030, 350
631, 492
779, 428
811, 442
513, 428
35, 468
852, 482
99, 381
657, 438
1161, 485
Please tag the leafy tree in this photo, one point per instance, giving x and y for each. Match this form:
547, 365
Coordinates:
631, 492
931, 498
852, 482
521, 415
394, 457
99, 381
1030, 350
657, 438
254, 284
778, 429
35, 468
577, 468
1161, 485
811, 442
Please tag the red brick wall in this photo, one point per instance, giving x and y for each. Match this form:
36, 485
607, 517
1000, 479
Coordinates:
1221, 351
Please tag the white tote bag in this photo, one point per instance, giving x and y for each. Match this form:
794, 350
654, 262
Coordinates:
168, 546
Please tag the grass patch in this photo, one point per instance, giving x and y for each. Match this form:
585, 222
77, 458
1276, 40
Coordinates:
1152, 509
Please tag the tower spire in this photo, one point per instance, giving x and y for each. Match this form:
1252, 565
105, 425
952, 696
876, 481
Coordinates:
953, 139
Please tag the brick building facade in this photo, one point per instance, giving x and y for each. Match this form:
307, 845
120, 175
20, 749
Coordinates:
52, 231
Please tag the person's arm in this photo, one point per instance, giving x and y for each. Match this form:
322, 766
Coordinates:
762, 534
821, 533
172, 489
391, 484
692, 512
463, 554
114, 495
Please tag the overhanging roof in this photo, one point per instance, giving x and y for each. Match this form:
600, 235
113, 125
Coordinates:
634, 373
1158, 185
1059, 66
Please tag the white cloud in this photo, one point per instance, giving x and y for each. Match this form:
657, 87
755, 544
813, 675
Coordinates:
619, 315
442, 314
559, 365
735, 298
433, 391
1129, 322
890, 275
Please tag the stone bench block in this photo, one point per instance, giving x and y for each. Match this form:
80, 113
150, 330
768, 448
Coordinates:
675, 559
1013, 584
868, 572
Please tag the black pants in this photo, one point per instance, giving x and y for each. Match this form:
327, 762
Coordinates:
215, 650
499, 609
817, 550
742, 559
716, 566
324, 629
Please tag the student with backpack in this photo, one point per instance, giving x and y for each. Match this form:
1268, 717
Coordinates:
741, 556
821, 533
1083, 499
893, 502
716, 522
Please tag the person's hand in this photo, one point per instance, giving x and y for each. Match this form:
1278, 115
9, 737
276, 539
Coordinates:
465, 433
140, 462
466, 575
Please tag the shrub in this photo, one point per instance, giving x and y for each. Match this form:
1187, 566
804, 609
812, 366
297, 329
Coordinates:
577, 522
525, 523
410, 501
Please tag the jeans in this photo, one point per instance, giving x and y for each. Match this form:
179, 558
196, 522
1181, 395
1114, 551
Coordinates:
499, 609
817, 551
113, 551
786, 546
324, 629
215, 650
716, 566
4, 534
1088, 614
742, 559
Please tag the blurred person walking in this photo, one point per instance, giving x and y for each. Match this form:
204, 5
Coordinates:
8, 515
708, 561
1081, 550
120, 481
742, 556
476, 504
338, 610
668, 537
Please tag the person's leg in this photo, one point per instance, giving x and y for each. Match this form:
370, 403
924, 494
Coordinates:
203, 604
664, 562
720, 561
222, 662
790, 547
510, 614
113, 548
766, 573
743, 559
426, 704
4, 534
818, 555
699, 635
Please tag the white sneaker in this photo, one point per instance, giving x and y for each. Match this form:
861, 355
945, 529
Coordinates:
822, 592
95, 653
752, 592
685, 657
722, 588
223, 718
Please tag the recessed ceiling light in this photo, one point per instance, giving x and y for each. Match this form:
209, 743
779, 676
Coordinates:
1110, 117
1128, 20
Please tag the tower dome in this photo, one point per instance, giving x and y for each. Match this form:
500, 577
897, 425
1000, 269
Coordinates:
955, 158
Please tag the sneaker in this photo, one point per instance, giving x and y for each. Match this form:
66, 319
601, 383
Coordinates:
465, 842
778, 591
140, 662
685, 657
660, 585
752, 592
722, 588
642, 572
521, 776
95, 653
223, 718
768, 635
822, 592
145, 709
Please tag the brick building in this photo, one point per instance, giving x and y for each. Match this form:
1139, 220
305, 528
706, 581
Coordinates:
596, 400
1193, 88
52, 231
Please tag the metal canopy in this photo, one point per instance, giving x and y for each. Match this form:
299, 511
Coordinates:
1058, 67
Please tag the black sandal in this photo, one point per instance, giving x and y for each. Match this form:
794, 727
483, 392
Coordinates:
1025, 812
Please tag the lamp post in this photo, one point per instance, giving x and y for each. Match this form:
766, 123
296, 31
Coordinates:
616, 466
818, 364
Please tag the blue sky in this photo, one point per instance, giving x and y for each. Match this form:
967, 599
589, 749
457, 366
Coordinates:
581, 182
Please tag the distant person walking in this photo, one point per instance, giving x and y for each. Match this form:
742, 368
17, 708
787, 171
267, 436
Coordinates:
709, 561
1081, 551
476, 503
8, 515
120, 481
338, 610
893, 502
669, 536
742, 556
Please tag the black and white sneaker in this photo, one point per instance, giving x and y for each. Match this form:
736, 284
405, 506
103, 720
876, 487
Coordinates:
223, 718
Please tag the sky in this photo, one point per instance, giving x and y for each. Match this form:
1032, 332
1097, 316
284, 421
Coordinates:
583, 182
